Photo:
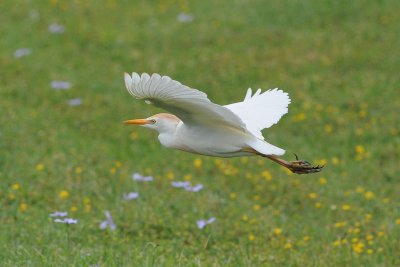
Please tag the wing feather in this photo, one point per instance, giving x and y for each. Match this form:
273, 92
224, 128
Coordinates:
262, 110
190, 105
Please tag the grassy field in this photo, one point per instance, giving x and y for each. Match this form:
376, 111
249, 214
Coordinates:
338, 60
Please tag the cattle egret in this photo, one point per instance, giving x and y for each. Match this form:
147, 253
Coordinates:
199, 126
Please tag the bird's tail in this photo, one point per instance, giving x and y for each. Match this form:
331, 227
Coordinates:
265, 148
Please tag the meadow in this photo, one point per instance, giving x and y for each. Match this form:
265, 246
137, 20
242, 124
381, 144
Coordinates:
63, 146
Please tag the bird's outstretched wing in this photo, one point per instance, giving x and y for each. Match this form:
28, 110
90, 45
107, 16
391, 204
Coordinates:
190, 105
261, 110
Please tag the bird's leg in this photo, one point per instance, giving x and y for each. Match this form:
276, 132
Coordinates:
297, 166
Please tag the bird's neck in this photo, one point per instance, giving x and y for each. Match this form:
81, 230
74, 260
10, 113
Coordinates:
167, 139
167, 135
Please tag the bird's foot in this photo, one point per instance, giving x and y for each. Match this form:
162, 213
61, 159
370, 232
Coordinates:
303, 167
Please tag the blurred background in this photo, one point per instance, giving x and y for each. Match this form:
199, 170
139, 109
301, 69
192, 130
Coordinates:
64, 147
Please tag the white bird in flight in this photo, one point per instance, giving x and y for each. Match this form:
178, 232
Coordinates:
199, 126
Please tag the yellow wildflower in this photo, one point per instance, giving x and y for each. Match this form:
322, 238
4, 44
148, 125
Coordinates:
370, 251
74, 209
322, 162
398, 221
340, 224
15, 186
233, 195
328, 128
78, 170
39, 167
306, 238
86, 200
362, 113
369, 195
360, 150
251, 237
256, 207
346, 207
335, 161
187, 177
360, 189
22, 207
369, 237
170, 175
318, 205
368, 216
300, 117
266, 175
245, 218
312, 195
322, 181
380, 233
277, 231
288, 245
358, 247
63, 194
198, 163
336, 243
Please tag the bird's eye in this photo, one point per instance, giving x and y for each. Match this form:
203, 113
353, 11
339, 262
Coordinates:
153, 121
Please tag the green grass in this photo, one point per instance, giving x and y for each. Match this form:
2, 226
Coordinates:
338, 60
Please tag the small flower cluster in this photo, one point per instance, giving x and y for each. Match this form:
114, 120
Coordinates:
62, 214
186, 185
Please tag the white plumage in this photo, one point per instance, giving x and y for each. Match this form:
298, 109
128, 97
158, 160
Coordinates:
202, 127
261, 110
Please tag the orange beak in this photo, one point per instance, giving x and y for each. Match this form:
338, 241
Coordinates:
138, 122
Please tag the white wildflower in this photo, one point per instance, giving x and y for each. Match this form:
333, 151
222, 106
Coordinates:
138, 177
185, 17
59, 214
22, 52
109, 222
75, 102
187, 186
67, 221
180, 184
56, 28
195, 188
131, 195
60, 85
202, 223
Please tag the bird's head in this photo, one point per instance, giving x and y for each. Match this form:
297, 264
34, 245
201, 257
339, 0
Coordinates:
162, 122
